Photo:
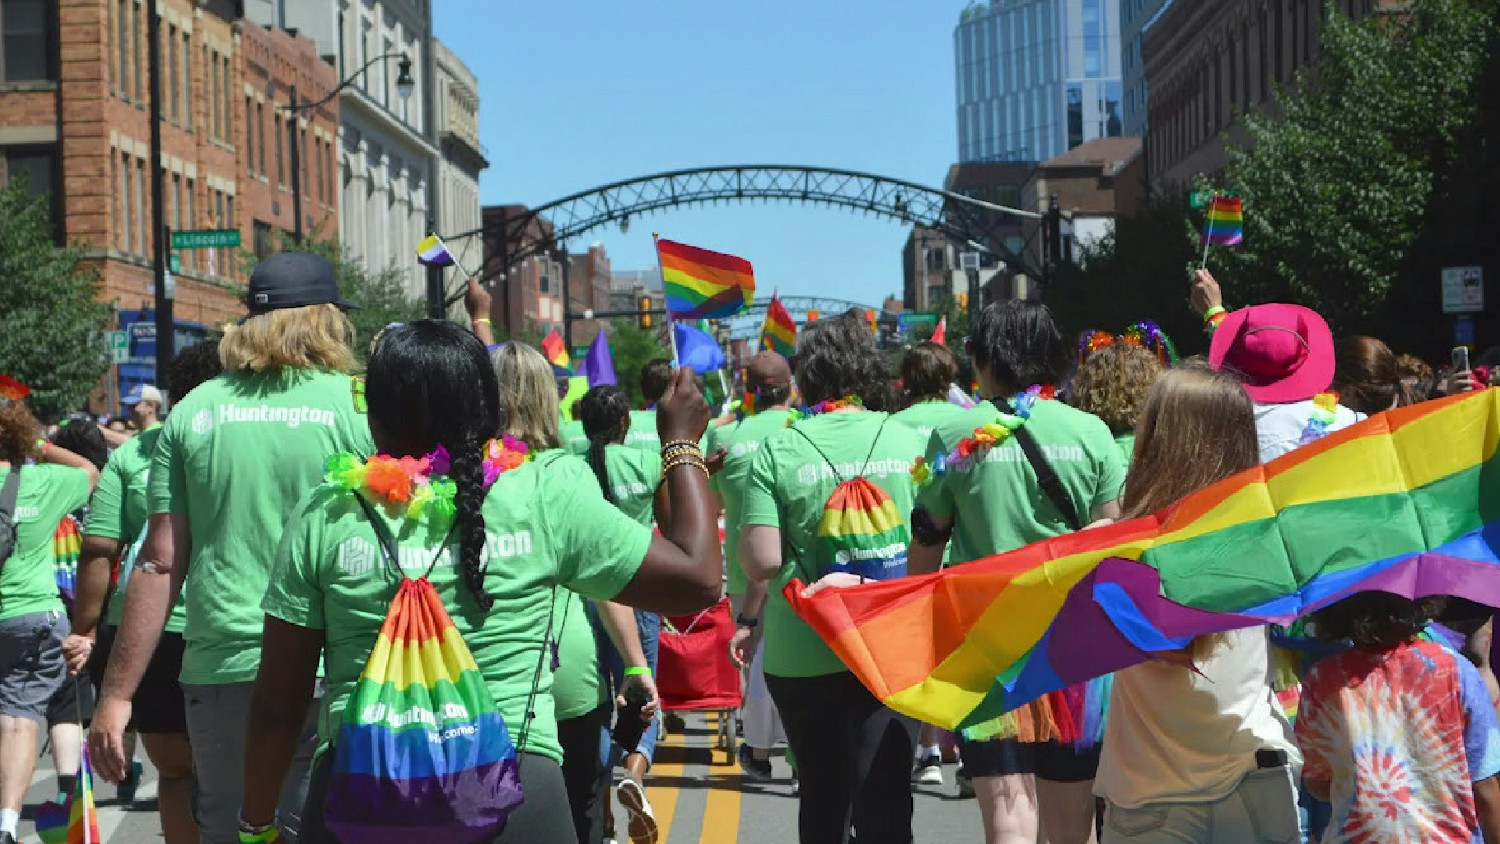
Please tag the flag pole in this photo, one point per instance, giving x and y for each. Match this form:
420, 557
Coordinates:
671, 323
1208, 226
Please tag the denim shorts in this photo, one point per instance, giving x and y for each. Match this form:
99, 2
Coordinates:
32, 666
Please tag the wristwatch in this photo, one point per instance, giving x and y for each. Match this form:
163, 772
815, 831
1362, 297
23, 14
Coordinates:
746, 622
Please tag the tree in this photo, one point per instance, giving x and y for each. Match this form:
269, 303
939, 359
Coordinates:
380, 295
631, 347
1337, 189
52, 323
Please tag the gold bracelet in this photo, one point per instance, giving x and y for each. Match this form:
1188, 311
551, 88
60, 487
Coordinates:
684, 458
680, 448
699, 464
669, 443
680, 451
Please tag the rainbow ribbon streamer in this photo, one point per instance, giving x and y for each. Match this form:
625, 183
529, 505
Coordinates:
422, 752
1405, 502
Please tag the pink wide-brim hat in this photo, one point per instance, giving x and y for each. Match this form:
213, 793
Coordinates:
1284, 353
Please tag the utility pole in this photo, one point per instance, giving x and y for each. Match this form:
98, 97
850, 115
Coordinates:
296, 144
567, 299
165, 327
434, 282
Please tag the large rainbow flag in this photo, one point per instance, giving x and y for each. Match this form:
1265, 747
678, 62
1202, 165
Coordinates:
1405, 502
704, 285
555, 350
422, 750
779, 333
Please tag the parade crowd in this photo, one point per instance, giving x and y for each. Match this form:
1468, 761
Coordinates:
220, 584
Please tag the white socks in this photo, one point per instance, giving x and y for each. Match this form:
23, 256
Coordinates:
8, 820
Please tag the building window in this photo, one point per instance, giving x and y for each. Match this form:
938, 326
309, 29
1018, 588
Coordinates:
139, 198
280, 149
122, 35
26, 40
189, 222
262, 241
37, 166
187, 80
260, 137
249, 137
215, 117
137, 36
172, 89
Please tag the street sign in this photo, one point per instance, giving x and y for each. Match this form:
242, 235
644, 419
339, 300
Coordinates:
1200, 199
205, 238
910, 319
1463, 331
1463, 290
175, 264
968, 260
119, 347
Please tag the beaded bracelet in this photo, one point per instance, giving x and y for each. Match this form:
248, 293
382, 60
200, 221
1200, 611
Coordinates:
685, 461
678, 443
1214, 316
679, 450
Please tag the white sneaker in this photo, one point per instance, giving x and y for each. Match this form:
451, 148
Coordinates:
642, 822
930, 774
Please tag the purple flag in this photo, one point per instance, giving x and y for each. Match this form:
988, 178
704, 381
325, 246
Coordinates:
598, 365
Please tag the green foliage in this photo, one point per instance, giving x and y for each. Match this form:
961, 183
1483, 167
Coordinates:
51, 323
631, 347
1337, 188
380, 296
1140, 271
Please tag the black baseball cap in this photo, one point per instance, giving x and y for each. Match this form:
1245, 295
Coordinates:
294, 280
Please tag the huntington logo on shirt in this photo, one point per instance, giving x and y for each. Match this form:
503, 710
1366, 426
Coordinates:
861, 533
358, 556
26, 514
812, 473
292, 417
203, 421
1054, 453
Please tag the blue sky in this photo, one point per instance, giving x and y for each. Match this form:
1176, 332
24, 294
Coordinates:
578, 93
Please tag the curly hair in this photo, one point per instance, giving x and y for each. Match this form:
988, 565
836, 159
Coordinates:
1113, 382
18, 432
1376, 620
837, 357
193, 366
80, 434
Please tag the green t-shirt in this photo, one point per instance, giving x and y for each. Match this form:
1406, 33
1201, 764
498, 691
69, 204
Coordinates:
577, 688
117, 511
997, 505
642, 433
741, 441
47, 492
234, 457
923, 417
634, 475
548, 529
1126, 443
574, 440
789, 483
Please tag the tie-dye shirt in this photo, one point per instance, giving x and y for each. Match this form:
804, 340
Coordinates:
1400, 735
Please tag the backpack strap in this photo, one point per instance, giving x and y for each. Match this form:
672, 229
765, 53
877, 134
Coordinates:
9, 493
388, 548
1047, 478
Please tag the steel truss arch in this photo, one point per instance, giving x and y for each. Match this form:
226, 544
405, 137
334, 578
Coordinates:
515, 238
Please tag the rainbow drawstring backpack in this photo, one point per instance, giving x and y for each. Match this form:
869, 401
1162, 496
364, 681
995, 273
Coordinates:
861, 531
422, 751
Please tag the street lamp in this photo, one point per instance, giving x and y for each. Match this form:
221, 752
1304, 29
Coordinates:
404, 86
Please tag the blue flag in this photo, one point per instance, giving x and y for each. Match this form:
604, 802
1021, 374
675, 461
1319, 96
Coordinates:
598, 364
697, 349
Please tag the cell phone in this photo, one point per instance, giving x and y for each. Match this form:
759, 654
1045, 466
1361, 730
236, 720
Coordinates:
629, 726
1460, 358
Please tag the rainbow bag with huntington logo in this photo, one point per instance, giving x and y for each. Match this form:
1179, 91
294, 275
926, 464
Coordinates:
422, 752
861, 531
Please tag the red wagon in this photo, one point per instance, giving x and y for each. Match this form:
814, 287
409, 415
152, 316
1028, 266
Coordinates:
694, 672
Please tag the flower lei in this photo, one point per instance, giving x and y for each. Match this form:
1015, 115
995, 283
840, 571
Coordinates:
825, 406
1325, 406
421, 483
970, 450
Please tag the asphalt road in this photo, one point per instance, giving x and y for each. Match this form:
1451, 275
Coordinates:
697, 798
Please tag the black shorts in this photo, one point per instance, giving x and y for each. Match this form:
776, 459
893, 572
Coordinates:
158, 706
1051, 761
73, 703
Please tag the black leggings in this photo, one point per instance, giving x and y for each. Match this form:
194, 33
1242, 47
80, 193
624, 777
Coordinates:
542, 818
853, 759
583, 774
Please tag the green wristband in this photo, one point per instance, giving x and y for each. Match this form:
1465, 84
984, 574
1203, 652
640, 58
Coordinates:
638, 671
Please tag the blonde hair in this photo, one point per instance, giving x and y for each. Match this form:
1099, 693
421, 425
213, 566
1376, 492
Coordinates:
528, 396
1197, 427
309, 337
1112, 383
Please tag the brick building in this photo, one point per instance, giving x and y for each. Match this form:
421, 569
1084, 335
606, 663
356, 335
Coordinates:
589, 279
1208, 63
74, 99
526, 297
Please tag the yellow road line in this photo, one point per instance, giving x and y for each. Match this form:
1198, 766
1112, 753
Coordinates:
721, 814
664, 798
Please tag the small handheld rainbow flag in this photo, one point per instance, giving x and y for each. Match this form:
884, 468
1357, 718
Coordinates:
12, 389
779, 334
74, 822
1406, 502
556, 351
1225, 225
704, 285
433, 252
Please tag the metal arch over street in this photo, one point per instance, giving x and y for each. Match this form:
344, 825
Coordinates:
515, 238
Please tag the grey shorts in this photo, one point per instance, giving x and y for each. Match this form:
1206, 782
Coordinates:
32, 667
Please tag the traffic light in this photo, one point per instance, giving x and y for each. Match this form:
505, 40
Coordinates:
645, 307
963, 301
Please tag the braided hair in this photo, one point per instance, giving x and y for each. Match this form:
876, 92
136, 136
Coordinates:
430, 383
603, 410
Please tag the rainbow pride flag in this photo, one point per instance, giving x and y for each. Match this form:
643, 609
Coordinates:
704, 285
1225, 225
74, 822
422, 751
556, 351
1406, 502
67, 547
779, 333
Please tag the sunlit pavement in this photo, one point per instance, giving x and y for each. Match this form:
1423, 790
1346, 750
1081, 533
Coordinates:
696, 795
